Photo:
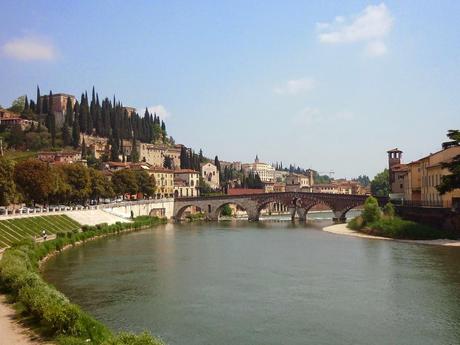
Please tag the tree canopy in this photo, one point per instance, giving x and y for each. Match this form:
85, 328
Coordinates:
380, 185
451, 181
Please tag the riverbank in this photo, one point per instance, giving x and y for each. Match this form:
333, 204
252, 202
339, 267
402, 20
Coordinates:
341, 229
61, 320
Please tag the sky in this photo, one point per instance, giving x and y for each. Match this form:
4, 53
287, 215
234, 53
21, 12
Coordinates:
328, 85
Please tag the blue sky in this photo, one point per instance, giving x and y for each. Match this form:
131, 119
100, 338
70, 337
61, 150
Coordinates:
327, 85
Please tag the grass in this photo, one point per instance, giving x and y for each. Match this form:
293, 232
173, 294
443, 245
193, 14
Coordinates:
19, 156
17, 229
51, 312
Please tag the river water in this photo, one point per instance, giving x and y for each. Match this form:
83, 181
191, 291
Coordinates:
270, 282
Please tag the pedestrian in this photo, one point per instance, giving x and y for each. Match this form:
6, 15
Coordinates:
44, 235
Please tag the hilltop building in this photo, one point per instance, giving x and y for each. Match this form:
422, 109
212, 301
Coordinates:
299, 182
60, 157
210, 175
59, 106
265, 171
155, 154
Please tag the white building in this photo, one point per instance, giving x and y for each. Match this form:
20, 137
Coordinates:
210, 175
186, 183
299, 183
265, 171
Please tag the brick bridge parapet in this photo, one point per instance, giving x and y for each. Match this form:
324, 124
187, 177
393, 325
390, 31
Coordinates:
299, 203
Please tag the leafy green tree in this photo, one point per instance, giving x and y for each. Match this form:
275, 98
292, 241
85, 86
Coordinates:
16, 138
124, 182
101, 186
363, 180
451, 181
18, 105
33, 179
371, 212
226, 210
7, 186
380, 185
61, 191
78, 177
145, 183
37, 140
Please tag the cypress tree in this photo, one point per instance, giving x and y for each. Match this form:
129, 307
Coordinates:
39, 102
83, 149
76, 130
134, 152
66, 137
51, 120
69, 112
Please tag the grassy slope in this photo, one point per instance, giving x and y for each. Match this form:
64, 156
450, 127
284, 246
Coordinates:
13, 230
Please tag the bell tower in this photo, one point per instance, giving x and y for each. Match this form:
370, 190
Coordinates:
394, 159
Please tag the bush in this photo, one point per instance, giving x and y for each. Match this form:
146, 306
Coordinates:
356, 223
371, 212
389, 210
132, 339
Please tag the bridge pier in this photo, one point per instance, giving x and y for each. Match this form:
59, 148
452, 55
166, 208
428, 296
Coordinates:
302, 213
339, 217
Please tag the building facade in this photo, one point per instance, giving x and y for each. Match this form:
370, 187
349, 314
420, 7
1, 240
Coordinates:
155, 154
60, 157
265, 171
420, 179
186, 183
58, 105
299, 183
164, 182
210, 175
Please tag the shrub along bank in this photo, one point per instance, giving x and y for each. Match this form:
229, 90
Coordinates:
385, 223
55, 316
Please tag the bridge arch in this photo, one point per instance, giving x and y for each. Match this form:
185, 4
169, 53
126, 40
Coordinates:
217, 211
180, 212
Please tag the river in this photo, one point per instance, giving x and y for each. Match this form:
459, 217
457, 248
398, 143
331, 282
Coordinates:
270, 282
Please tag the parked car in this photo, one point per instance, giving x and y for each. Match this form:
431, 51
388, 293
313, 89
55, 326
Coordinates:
52, 208
23, 210
3, 211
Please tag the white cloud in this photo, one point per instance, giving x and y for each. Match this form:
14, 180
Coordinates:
310, 116
160, 110
307, 116
371, 25
30, 48
295, 86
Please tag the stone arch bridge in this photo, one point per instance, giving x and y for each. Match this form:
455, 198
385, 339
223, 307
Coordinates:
298, 203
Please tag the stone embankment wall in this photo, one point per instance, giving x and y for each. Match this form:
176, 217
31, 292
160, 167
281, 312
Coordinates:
160, 208
444, 218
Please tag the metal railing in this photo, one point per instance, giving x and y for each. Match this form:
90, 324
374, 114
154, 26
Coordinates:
422, 203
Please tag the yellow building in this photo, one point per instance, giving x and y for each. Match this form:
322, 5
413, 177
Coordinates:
164, 182
423, 176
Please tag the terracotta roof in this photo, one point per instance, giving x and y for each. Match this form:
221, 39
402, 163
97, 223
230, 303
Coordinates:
242, 191
117, 164
394, 150
185, 171
160, 169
